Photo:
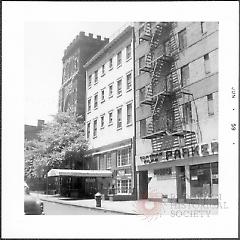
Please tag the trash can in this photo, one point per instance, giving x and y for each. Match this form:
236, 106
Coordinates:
98, 197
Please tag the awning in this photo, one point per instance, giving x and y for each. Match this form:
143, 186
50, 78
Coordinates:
79, 173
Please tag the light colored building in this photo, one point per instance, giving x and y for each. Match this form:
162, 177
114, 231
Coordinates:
110, 116
177, 110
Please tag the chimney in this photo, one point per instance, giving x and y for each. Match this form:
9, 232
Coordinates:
40, 123
82, 34
98, 37
90, 35
106, 39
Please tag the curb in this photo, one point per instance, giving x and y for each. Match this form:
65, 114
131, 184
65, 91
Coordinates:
95, 208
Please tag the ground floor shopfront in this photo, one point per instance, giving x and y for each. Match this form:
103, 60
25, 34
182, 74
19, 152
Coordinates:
193, 180
117, 158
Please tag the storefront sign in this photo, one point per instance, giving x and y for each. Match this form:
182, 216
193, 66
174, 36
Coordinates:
182, 153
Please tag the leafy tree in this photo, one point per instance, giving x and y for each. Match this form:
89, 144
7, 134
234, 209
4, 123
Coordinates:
59, 142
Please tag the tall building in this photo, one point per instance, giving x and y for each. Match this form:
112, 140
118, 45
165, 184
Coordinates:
109, 116
177, 110
72, 92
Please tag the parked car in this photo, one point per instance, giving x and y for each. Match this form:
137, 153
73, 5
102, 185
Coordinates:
32, 205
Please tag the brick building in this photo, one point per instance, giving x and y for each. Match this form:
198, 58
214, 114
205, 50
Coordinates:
109, 116
177, 110
72, 91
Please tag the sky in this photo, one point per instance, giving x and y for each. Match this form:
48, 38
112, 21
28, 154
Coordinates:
44, 44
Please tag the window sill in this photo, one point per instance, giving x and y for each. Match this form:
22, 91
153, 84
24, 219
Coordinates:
102, 127
119, 128
88, 112
102, 101
128, 90
111, 68
128, 59
103, 74
110, 96
129, 125
94, 137
119, 65
211, 115
119, 95
95, 108
96, 83
110, 124
89, 87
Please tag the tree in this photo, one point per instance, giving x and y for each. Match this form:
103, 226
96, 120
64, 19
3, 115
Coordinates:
59, 141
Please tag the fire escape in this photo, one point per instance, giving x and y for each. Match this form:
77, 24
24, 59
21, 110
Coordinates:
164, 94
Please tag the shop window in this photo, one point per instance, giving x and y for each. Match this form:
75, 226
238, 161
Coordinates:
110, 118
207, 63
102, 165
124, 186
110, 90
119, 87
129, 114
124, 156
129, 81
128, 52
95, 128
185, 75
109, 160
119, 118
163, 171
110, 63
187, 113
89, 81
95, 101
182, 37
96, 77
89, 105
210, 104
119, 59
88, 130
203, 27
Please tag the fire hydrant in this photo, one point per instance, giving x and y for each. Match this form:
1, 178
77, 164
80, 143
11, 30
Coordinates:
98, 197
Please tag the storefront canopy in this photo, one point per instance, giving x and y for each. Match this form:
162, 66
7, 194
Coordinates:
79, 173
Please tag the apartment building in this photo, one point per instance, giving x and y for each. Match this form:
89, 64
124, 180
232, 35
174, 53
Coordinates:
177, 110
72, 92
109, 117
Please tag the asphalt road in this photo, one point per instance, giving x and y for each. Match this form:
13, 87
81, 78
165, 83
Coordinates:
51, 208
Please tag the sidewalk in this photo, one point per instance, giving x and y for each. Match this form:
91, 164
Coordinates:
138, 207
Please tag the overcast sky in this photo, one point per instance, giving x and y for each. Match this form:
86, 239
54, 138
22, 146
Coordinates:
44, 44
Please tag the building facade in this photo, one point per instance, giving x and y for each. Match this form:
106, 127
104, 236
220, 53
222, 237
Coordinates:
110, 116
31, 132
177, 110
72, 93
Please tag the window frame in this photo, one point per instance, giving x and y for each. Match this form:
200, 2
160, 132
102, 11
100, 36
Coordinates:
139, 61
187, 113
128, 188
128, 89
95, 106
118, 81
182, 39
95, 129
110, 65
130, 104
110, 85
183, 84
119, 60
89, 107
210, 104
203, 27
128, 52
110, 123
119, 109
89, 81
103, 95
95, 77
207, 68
103, 70
102, 117
88, 129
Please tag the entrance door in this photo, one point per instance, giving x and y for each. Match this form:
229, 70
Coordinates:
143, 184
181, 184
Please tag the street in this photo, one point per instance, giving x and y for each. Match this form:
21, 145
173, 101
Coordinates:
51, 208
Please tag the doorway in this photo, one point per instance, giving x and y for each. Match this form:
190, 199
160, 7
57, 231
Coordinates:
181, 184
143, 184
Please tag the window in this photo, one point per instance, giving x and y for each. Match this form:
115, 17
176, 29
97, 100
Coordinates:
129, 114
187, 113
206, 63
124, 157
95, 101
184, 75
141, 63
110, 90
119, 87
89, 81
110, 118
203, 27
143, 128
89, 105
88, 129
110, 63
102, 163
140, 32
96, 77
128, 52
142, 94
124, 186
95, 128
129, 81
109, 160
102, 95
182, 37
103, 69
119, 59
102, 121
119, 118
210, 104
